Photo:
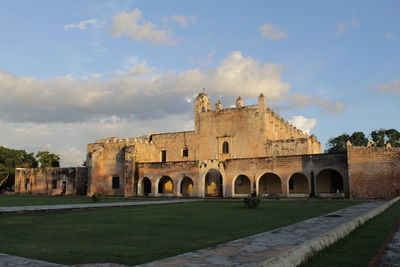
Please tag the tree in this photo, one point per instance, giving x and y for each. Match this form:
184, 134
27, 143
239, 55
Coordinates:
382, 136
11, 159
47, 159
378, 136
358, 139
393, 137
337, 144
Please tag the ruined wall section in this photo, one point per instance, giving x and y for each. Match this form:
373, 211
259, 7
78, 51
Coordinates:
48, 181
374, 172
116, 157
174, 144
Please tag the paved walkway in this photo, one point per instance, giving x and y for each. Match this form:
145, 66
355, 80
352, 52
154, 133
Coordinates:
45, 208
391, 255
285, 246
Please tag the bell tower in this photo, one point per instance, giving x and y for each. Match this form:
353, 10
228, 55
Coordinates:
202, 104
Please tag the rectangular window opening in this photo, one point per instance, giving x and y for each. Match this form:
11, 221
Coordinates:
163, 155
115, 182
185, 152
54, 184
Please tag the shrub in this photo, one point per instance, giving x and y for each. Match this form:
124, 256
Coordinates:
251, 202
96, 197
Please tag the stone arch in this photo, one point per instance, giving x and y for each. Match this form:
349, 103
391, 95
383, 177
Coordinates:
242, 185
269, 184
298, 184
165, 185
186, 188
329, 181
213, 184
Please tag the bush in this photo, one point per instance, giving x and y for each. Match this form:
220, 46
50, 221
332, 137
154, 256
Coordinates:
251, 202
96, 197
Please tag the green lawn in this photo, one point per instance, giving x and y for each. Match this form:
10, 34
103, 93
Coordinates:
358, 248
20, 200
133, 235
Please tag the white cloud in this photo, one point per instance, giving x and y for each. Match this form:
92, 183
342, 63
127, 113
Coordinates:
341, 28
128, 24
69, 140
272, 31
303, 123
127, 94
391, 36
80, 25
393, 87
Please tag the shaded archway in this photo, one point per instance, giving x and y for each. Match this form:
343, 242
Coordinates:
242, 185
299, 184
270, 184
213, 184
187, 186
329, 181
165, 185
146, 186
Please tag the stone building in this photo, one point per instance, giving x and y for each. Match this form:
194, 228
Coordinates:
230, 153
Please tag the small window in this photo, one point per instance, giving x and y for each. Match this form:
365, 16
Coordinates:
225, 148
185, 152
291, 184
54, 184
115, 182
163, 155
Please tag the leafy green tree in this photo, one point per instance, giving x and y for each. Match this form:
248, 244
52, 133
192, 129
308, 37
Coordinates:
378, 136
47, 159
11, 159
382, 136
337, 144
358, 139
393, 137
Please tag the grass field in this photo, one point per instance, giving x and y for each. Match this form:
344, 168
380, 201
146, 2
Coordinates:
358, 248
18, 200
133, 235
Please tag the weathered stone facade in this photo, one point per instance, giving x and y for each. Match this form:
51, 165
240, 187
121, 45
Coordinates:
51, 181
231, 153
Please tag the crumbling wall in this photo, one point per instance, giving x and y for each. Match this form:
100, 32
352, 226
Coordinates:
374, 172
48, 181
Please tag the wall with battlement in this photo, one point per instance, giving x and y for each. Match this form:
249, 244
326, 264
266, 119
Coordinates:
374, 172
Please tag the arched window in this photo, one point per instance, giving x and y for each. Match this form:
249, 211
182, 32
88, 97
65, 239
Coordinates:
225, 148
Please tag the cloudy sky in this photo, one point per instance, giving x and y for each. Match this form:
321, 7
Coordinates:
72, 72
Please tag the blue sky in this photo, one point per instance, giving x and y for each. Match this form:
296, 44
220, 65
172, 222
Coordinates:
72, 72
